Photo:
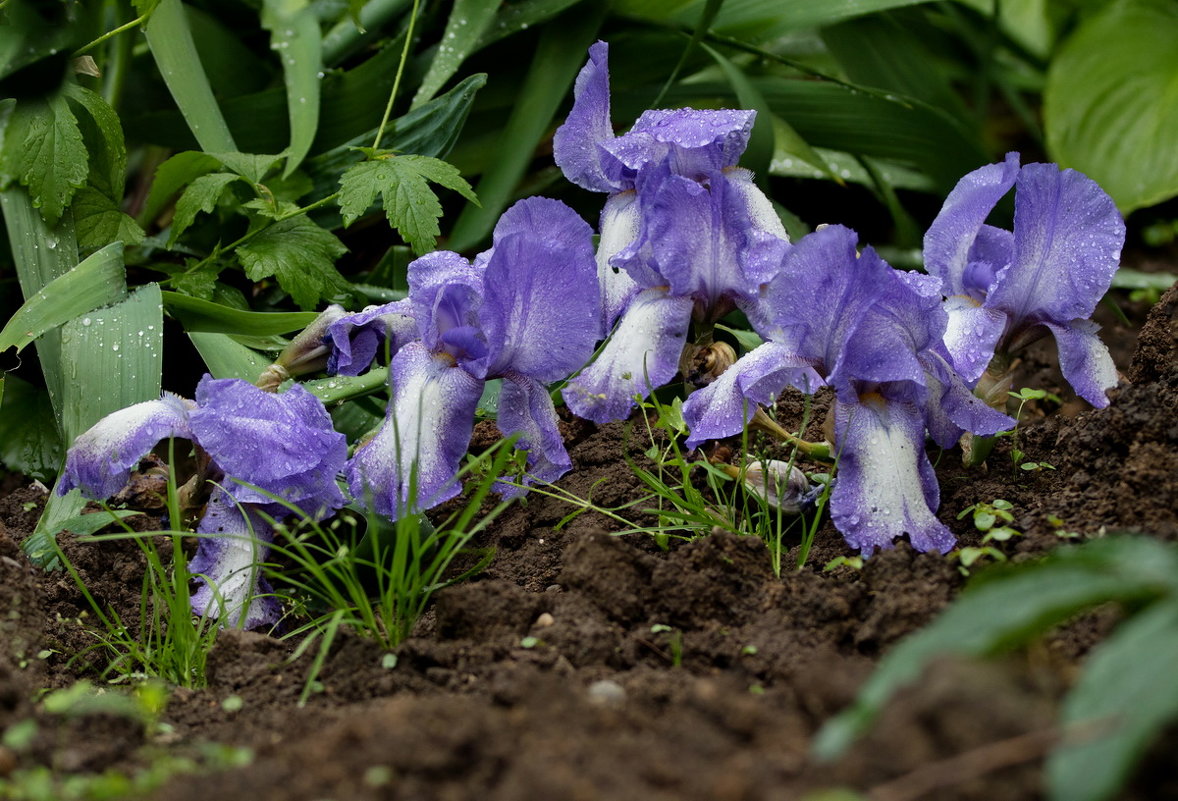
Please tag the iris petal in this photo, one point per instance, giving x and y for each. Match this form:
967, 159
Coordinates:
972, 334
99, 462
526, 408
1085, 360
575, 145
886, 486
422, 441
356, 339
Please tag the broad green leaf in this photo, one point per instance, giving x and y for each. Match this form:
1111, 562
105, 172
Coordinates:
29, 442
145, 6
225, 358
93, 522
342, 387
28, 37
301, 255
1007, 609
759, 154
516, 17
468, 20
172, 176
410, 204
1125, 698
200, 196
44, 151
1111, 102
295, 36
95, 282
359, 27
170, 40
202, 315
1126, 278
558, 57
99, 221
849, 169
41, 253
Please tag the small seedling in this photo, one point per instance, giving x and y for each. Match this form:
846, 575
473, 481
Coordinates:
853, 562
992, 520
1017, 455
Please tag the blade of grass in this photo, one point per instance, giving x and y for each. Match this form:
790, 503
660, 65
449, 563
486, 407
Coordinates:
225, 358
204, 315
468, 20
170, 40
295, 35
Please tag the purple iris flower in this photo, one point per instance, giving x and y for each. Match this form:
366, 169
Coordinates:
1007, 288
835, 318
686, 142
526, 311
259, 445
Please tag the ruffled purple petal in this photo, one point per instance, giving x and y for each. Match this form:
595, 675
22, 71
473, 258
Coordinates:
575, 147
100, 461
642, 355
695, 143
446, 291
282, 443
228, 568
525, 408
423, 439
356, 339
1068, 236
886, 486
724, 407
620, 221
972, 335
953, 408
1085, 360
949, 240
541, 310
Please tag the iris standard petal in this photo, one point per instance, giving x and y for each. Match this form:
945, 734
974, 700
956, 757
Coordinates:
100, 461
445, 291
694, 143
424, 436
886, 486
356, 339
234, 541
525, 408
282, 443
541, 307
722, 408
641, 355
949, 239
1085, 360
1068, 236
575, 144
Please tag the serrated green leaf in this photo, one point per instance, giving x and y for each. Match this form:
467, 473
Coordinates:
108, 150
301, 255
95, 282
468, 20
1008, 608
250, 166
172, 176
295, 36
200, 196
1125, 697
99, 221
200, 315
198, 282
225, 358
1111, 102
44, 151
29, 442
170, 39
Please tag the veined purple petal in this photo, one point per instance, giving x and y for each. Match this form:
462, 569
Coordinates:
525, 408
948, 241
281, 443
953, 408
356, 339
693, 142
541, 309
423, 439
992, 250
1068, 236
886, 486
575, 145
620, 221
100, 461
446, 291
972, 335
234, 543
1085, 360
641, 355
724, 407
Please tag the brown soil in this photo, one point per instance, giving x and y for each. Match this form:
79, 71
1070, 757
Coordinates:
543, 677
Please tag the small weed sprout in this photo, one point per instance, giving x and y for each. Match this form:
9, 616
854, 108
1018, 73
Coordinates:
1016, 454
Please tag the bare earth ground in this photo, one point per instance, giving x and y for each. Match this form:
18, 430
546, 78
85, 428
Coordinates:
721, 707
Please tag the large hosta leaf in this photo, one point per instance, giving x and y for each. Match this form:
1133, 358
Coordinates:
1111, 102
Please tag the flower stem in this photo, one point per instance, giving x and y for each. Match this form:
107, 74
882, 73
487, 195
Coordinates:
388, 109
818, 451
84, 49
